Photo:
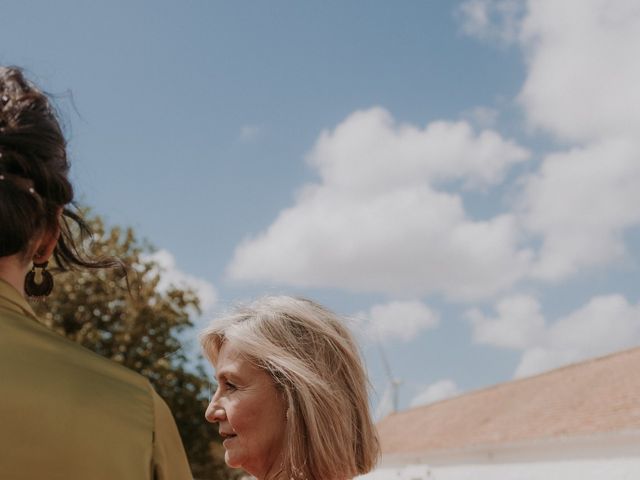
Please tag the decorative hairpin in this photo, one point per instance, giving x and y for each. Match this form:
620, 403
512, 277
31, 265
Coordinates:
20, 181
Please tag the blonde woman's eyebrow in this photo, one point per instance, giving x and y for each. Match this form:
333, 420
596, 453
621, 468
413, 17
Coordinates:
226, 375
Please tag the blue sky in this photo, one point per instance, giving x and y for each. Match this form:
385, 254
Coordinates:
459, 177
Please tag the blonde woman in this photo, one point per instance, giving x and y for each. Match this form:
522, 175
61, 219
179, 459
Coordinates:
292, 399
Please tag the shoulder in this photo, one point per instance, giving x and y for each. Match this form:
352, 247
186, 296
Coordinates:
38, 351
169, 456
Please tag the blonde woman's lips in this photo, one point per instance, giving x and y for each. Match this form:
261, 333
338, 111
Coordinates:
227, 436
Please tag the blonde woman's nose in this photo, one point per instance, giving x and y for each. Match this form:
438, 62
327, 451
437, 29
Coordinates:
215, 413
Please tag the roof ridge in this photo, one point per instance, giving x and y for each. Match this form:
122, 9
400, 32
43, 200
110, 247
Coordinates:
496, 386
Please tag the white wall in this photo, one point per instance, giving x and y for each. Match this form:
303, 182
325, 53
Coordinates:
601, 469
612, 456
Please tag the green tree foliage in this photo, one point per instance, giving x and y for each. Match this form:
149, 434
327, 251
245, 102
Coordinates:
131, 321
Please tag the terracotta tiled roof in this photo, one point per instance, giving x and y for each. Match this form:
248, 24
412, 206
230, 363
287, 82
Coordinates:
593, 397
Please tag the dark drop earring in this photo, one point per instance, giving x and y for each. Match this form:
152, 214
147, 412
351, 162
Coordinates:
42, 289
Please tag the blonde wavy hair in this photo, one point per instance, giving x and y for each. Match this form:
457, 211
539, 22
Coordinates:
314, 360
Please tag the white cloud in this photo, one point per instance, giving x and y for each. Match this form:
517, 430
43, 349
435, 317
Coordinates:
582, 87
482, 117
605, 324
171, 275
388, 214
370, 152
580, 203
435, 392
583, 70
377, 221
497, 20
402, 320
249, 133
518, 323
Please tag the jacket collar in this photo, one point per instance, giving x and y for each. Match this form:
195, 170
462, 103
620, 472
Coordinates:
11, 299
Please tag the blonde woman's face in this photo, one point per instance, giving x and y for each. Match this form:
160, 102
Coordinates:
251, 414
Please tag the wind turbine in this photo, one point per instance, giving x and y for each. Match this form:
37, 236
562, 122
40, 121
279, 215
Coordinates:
389, 401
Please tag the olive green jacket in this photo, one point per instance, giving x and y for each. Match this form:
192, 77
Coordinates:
67, 413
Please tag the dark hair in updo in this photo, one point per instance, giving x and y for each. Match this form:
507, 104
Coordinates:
33, 162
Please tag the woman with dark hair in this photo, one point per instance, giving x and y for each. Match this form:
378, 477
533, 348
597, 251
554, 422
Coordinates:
65, 412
